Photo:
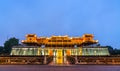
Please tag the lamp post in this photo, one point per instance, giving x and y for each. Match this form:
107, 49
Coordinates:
76, 60
45, 57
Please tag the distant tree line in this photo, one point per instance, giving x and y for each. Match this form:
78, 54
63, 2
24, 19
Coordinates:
113, 51
6, 49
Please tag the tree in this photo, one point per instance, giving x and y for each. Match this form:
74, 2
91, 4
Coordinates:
111, 50
117, 51
1, 49
9, 44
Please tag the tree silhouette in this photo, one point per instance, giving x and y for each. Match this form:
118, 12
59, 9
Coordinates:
1, 49
9, 44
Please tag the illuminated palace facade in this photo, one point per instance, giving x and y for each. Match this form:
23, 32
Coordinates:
59, 47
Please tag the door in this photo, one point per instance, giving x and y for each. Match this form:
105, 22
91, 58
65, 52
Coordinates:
59, 56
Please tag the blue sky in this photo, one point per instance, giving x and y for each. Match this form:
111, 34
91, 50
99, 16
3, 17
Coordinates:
61, 17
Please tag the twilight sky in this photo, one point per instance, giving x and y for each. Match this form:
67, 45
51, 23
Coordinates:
61, 17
